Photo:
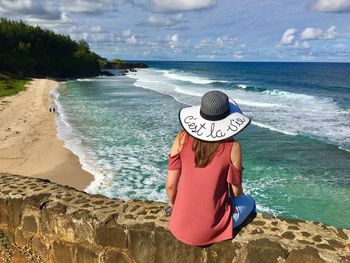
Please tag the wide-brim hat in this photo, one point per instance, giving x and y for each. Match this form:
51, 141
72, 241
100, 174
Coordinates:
217, 118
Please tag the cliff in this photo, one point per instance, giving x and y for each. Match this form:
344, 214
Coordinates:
42, 221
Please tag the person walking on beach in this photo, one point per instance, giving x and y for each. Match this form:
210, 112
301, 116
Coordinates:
204, 182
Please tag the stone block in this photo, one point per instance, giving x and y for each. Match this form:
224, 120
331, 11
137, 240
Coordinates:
262, 251
39, 248
11, 211
111, 234
305, 255
117, 257
169, 249
30, 224
63, 252
141, 242
86, 255
37, 201
222, 252
20, 240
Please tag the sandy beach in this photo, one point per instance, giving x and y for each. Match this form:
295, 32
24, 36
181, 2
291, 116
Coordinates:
28, 138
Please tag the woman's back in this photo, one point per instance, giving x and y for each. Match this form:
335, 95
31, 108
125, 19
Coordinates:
202, 211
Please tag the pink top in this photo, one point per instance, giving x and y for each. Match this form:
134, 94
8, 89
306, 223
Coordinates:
202, 212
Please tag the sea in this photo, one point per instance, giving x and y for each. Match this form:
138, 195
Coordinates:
296, 152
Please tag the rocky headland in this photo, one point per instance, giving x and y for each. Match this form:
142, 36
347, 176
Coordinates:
42, 221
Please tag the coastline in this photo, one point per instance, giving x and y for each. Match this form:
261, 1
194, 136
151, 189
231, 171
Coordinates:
28, 138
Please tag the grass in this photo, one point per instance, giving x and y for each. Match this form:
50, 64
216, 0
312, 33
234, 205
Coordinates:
4, 241
10, 87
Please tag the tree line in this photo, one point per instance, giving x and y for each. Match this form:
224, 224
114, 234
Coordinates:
27, 51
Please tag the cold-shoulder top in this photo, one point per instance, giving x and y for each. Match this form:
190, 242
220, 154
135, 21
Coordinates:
202, 211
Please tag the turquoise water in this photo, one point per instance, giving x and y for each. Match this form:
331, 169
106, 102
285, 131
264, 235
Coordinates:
296, 152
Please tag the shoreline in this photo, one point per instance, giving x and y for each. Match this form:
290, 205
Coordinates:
29, 144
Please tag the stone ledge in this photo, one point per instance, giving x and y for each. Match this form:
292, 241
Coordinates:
61, 224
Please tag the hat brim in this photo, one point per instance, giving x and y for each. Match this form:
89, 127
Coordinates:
212, 131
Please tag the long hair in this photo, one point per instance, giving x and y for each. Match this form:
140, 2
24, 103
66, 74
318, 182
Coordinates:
203, 151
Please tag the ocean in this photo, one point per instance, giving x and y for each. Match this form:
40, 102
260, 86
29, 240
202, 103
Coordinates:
296, 152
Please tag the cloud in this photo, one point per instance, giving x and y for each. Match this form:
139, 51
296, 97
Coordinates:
288, 36
238, 55
160, 21
131, 40
126, 33
88, 6
62, 23
96, 29
170, 6
333, 6
340, 47
301, 45
173, 40
30, 8
311, 33
219, 42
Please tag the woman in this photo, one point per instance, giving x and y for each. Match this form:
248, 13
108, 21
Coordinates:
204, 182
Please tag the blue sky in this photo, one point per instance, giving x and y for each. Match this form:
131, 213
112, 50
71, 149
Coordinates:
218, 30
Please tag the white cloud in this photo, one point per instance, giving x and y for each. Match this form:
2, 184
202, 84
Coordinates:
98, 37
311, 33
238, 55
331, 5
206, 56
164, 20
30, 8
219, 42
340, 46
57, 25
87, 6
288, 36
302, 45
126, 33
96, 29
180, 5
173, 40
131, 40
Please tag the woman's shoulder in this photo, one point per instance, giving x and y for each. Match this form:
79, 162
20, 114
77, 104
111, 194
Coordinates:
178, 143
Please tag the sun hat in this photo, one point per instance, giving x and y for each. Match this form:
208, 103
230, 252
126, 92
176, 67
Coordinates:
217, 118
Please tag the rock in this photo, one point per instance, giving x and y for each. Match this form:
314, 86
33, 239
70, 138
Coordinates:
306, 255
60, 224
263, 251
106, 73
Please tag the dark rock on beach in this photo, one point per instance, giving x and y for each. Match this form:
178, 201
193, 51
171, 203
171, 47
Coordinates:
124, 65
106, 73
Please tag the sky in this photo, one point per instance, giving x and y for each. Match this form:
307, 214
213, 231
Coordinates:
204, 30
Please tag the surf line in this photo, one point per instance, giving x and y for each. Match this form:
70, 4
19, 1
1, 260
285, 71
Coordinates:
213, 131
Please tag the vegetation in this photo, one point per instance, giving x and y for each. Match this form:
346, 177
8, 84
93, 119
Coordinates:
28, 51
117, 61
12, 86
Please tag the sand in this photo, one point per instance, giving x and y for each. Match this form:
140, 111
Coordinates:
28, 138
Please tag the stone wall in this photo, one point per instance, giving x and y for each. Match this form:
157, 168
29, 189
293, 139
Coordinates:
42, 221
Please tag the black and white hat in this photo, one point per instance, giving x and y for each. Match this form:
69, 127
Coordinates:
217, 118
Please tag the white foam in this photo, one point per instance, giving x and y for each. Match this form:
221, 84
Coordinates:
85, 80
272, 128
281, 111
176, 75
257, 104
188, 92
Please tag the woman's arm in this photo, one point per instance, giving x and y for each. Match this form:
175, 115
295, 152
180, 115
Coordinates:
236, 159
174, 175
171, 184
